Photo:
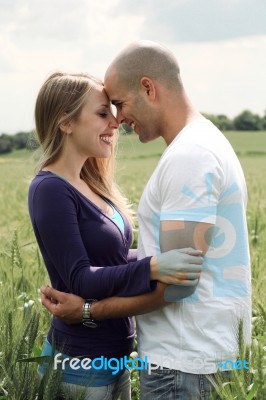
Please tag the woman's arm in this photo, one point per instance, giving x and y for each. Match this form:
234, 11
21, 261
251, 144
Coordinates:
53, 209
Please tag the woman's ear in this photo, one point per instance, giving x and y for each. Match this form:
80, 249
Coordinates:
65, 126
148, 87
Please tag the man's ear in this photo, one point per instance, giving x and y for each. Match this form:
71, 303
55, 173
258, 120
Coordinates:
148, 87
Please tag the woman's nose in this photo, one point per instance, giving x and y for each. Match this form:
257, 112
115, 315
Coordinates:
113, 122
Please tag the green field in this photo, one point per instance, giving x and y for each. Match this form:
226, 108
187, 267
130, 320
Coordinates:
22, 271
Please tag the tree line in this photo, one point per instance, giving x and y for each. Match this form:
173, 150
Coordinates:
21, 140
245, 121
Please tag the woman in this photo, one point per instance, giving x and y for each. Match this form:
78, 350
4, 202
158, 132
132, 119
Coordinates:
82, 224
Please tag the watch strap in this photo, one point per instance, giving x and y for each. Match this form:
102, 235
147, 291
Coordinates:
87, 318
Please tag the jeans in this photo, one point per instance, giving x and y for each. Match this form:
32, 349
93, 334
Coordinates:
119, 390
170, 384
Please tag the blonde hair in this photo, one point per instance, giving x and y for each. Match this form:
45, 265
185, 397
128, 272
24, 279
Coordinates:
60, 100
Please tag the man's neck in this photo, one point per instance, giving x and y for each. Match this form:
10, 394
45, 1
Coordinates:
178, 124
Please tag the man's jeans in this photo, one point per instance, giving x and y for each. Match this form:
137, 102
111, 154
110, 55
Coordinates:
170, 384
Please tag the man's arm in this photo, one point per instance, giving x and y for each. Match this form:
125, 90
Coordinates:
68, 307
190, 184
177, 234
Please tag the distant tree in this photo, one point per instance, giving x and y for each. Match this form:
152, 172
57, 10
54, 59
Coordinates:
125, 129
263, 121
247, 121
211, 117
221, 121
21, 140
225, 123
6, 143
29, 140
33, 143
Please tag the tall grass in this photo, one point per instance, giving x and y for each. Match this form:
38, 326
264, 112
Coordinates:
24, 323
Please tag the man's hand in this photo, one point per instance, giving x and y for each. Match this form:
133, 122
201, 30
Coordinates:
65, 306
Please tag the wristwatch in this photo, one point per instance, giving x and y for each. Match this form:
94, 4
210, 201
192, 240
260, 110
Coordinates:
87, 319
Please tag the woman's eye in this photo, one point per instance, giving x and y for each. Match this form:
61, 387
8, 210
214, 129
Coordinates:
103, 114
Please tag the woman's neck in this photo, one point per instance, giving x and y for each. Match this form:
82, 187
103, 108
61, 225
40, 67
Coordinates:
69, 169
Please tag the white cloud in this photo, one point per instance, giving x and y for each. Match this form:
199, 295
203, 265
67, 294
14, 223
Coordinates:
38, 37
198, 20
225, 76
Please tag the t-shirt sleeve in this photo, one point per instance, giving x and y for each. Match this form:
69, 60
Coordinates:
190, 185
53, 209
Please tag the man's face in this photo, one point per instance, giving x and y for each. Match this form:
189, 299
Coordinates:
132, 108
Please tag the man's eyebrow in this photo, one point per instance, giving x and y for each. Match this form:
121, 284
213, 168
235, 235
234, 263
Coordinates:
115, 102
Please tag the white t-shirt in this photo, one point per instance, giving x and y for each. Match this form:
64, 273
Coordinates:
199, 178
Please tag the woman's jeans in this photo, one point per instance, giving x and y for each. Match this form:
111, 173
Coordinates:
170, 384
118, 390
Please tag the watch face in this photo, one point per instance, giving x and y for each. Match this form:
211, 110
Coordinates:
90, 324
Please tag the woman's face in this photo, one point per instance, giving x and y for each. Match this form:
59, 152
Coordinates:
93, 131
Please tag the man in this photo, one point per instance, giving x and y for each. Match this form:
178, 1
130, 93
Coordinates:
196, 197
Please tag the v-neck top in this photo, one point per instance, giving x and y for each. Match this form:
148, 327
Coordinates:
116, 216
85, 253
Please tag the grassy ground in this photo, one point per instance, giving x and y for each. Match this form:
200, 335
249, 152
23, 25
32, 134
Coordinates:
22, 271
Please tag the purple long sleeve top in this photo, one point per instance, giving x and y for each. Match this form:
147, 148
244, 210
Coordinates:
85, 253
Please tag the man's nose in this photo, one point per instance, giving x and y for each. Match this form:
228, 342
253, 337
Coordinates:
119, 116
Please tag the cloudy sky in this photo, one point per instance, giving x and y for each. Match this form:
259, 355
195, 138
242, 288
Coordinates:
220, 45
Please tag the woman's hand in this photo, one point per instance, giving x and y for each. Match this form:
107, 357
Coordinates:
177, 267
